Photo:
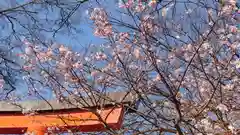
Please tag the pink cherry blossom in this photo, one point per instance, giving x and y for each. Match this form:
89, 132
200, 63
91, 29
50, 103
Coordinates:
103, 27
100, 56
222, 108
157, 78
123, 36
136, 53
233, 29
63, 49
78, 65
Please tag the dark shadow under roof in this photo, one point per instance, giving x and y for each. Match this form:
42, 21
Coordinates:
109, 99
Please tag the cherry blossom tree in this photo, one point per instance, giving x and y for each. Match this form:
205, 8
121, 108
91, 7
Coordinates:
36, 20
180, 58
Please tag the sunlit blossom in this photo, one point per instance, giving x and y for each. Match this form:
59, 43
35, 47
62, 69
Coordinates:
100, 56
222, 107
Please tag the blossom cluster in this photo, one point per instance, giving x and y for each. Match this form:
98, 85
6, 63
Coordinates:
103, 27
137, 5
148, 25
